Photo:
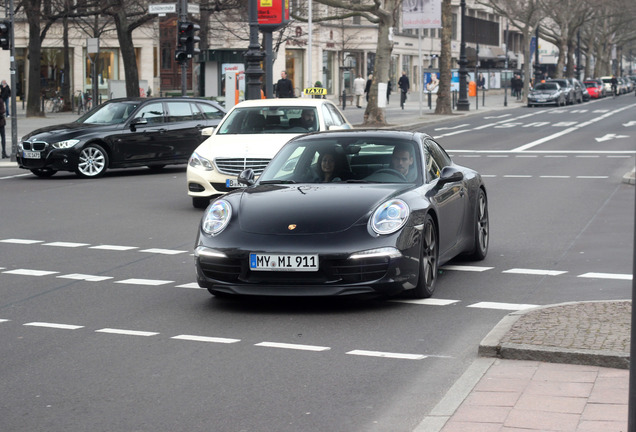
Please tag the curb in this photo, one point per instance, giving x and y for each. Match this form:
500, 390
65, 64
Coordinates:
491, 345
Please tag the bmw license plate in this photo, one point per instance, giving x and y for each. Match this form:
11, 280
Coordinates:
233, 183
31, 155
283, 262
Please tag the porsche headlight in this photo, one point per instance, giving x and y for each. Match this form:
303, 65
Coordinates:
390, 217
199, 162
217, 217
65, 144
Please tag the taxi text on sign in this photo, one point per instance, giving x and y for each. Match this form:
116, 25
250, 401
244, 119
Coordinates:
315, 91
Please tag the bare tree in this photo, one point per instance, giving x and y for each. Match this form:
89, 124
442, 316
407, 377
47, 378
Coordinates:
443, 104
384, 14
524, 15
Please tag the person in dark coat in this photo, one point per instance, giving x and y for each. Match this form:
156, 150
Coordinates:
404, 85
5, 94
389, 88
284, 87
3, 123
367, 88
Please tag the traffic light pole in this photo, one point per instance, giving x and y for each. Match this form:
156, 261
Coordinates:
14, 117
183, 17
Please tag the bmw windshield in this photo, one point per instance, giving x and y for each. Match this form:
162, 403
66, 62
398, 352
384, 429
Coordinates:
110, 113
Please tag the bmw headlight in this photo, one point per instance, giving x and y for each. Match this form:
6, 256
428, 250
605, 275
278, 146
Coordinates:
199, 162
389, 217
65, 144
217, 217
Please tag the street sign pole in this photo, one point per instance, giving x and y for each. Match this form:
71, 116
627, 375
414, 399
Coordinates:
14, 117
183, 17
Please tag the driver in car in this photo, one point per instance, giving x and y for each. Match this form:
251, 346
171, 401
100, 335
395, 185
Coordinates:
402, 161
308, 119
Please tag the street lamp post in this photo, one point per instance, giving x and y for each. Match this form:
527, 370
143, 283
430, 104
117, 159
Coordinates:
506, 69
254, 56
462, 103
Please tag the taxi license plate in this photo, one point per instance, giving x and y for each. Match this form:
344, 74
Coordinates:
283, 262
31, 155
233, 183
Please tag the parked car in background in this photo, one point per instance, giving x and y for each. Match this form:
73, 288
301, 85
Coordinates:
397, 209
580, 94
595, 88
607, 83
547, 93
571, 95
121, 133
249, 136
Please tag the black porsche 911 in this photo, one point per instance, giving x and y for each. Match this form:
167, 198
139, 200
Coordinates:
342, 213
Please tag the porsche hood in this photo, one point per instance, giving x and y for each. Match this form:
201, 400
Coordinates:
308, 208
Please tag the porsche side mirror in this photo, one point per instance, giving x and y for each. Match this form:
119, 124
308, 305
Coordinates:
450, 174
246, 177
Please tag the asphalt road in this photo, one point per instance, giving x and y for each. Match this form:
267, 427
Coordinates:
102, 328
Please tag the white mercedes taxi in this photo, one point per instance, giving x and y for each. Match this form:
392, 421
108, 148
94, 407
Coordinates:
249, 135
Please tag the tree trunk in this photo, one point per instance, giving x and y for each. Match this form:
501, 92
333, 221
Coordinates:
34, 98
373, 115
128, 56
444, 103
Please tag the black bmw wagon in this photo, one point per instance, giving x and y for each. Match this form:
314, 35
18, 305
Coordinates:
121, 133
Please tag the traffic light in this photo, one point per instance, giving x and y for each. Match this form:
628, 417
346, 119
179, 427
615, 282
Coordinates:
187, 38
180, 54
5, 35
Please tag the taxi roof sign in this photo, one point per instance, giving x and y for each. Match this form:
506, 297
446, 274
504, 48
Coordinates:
315, 91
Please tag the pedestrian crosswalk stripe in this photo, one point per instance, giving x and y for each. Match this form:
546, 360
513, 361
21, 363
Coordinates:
126, 332
85, 277
292, 346
535, 272
606, 276
387, 355
54, 325
66, 244
205, 339
502, 306
134, 281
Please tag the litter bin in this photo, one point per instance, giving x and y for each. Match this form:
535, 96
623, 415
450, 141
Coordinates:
472, 88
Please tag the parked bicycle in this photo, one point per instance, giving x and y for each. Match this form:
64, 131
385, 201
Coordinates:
84, 102
55, 103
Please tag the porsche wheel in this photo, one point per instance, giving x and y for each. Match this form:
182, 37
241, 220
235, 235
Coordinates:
482, 228
428, 261
93, 161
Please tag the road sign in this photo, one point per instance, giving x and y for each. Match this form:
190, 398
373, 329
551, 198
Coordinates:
193, 8
163, 8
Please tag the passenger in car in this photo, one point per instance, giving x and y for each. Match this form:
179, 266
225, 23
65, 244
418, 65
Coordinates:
402, 161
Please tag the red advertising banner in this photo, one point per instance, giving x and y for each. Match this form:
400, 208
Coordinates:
273, 13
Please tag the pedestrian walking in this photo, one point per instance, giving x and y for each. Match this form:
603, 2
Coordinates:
389, 89
367, 87
5, 95
3, 123
284, 87
358, 89
404, 85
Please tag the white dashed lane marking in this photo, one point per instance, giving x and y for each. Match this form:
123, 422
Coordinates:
466, 268
114, 247
84, 277
502, 306
153, 282
164, 251
126, 332
28, 272
205, 339
535, 272
54, 325
292, 346
21, 241
66, 244
607, 276
387, 355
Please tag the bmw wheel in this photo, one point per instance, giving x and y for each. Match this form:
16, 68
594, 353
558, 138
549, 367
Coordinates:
482, 228
428, 261
93, 161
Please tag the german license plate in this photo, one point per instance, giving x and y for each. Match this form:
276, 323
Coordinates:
233, 183
540, 100
31, 155
283, 262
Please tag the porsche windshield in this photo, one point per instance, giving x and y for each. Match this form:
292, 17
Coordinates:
374, 160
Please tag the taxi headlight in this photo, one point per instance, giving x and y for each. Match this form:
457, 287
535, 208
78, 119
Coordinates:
217, 216
199, 162
389, 217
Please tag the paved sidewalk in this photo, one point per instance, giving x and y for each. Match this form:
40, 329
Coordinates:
554, 368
